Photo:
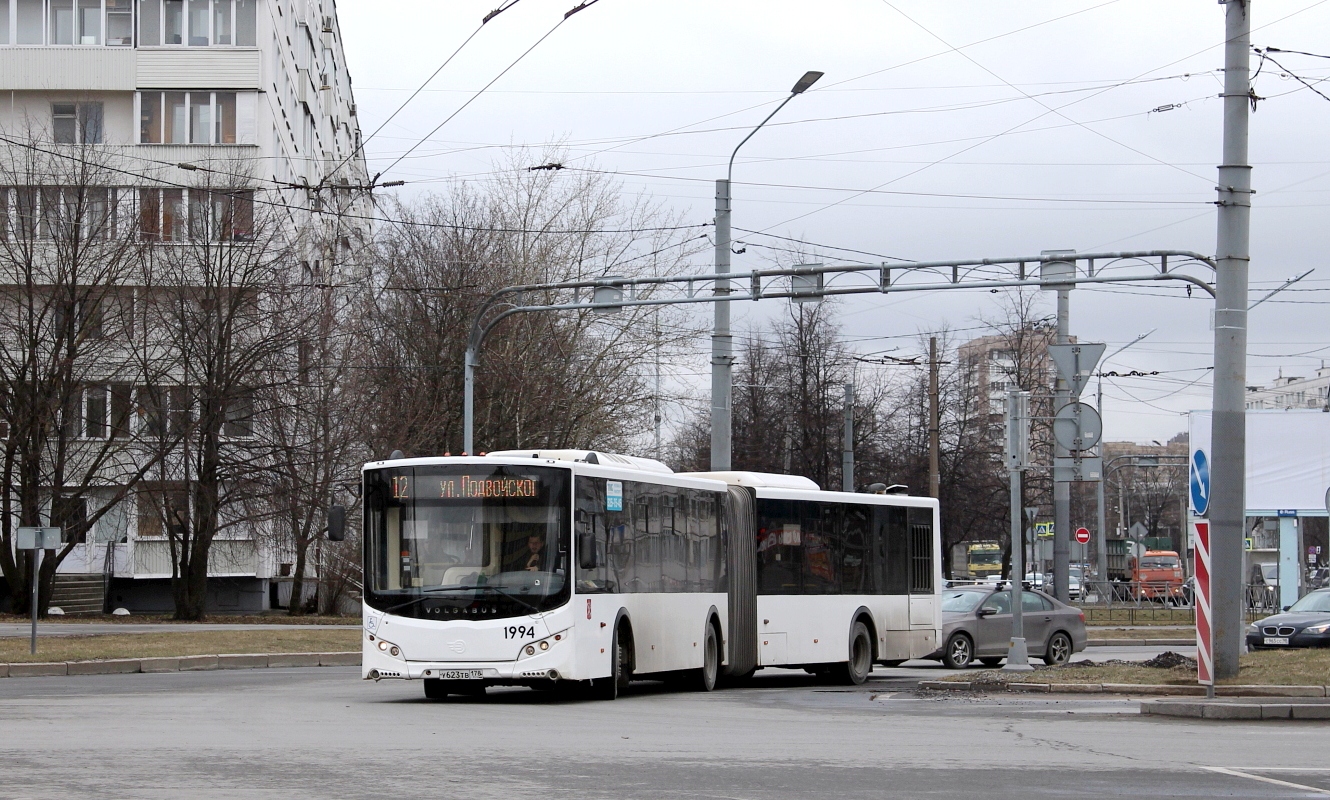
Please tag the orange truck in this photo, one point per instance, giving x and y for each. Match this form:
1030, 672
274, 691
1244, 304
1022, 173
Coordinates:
1156, 575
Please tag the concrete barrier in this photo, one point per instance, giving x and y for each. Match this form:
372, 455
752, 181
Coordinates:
159, 665
339, 659
293, 659
243, 661
38, 669
190, 663
118, 666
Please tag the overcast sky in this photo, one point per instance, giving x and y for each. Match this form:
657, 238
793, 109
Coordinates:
1048, 109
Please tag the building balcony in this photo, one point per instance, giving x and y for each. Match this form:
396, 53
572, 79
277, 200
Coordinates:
116, 69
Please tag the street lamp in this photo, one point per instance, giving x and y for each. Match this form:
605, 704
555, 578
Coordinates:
722, 343
1101, 539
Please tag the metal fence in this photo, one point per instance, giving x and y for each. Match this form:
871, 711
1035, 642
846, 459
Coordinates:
1160, 602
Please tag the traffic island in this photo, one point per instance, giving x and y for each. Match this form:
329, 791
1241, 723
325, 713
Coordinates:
1302, 709
1283, 673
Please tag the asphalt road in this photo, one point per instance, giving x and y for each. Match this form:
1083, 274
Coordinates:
322, 733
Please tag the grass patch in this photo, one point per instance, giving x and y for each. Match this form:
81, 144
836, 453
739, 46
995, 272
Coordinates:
189, 643
221, 619
1263, 668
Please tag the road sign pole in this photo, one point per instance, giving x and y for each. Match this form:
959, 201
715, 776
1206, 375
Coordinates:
1018, 458
36, 588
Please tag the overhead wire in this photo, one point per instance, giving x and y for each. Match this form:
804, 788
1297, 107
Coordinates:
495, 79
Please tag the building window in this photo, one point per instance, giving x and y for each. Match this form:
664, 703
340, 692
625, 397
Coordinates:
197, 23
165, 215
77, 123
187, 118
67, 22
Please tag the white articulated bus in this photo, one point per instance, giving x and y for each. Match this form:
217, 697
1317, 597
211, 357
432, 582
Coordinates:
575, 568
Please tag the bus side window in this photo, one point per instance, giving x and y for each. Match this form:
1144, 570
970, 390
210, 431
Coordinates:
893, 549
856, 562
921, 551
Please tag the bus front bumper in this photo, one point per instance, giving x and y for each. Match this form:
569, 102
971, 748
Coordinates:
556, 663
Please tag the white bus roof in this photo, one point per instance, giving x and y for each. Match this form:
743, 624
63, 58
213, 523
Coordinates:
762, 480
589, 457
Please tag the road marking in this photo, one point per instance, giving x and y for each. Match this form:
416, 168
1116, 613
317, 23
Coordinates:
1262, 778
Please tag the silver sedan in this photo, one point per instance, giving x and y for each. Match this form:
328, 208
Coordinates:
976, 626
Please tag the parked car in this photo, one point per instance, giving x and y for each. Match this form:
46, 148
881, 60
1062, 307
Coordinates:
976, 625
1074, 577
1306, 623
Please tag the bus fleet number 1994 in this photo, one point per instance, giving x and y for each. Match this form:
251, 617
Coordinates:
519, 632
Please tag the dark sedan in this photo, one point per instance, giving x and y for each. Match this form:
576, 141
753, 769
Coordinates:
1306, 623
976, 625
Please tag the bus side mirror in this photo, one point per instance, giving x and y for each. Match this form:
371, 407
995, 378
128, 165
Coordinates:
337, 523
586, 551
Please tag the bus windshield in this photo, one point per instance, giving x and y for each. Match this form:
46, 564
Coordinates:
479, 540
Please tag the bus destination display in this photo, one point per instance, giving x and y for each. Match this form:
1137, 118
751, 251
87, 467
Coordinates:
467, 487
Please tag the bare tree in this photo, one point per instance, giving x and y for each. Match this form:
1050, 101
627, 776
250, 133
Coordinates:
221, 305
70, 360
565, 379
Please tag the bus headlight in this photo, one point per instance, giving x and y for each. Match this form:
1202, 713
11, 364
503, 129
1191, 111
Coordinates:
390, 648
543, 645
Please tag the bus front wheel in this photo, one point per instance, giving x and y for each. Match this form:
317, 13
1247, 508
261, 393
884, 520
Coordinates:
620, 666
855, 671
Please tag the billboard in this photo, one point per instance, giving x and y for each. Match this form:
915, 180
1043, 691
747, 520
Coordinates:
1288, 461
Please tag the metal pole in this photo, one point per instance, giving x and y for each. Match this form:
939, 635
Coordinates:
722, 343
657, 415
1062, 489
1018, 451
469, 400
1228, 442
934, 476
847, 454
36, 588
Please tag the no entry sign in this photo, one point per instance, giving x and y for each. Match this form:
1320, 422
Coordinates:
1082, 535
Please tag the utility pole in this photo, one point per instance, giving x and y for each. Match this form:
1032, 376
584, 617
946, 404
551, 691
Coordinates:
934, 475
847, 454
722, 342
657, 414
1062, 489
1228, 436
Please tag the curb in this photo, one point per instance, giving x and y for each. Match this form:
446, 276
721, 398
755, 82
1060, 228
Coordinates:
127, 666
1139, 642
1183, 690
1219, 709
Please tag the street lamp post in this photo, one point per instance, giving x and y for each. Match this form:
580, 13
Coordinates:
722, 343
1101, 538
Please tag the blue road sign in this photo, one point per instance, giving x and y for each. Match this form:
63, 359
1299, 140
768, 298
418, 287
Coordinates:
1200, 483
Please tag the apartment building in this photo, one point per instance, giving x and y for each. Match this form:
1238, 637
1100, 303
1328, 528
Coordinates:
1288, 392
252, 94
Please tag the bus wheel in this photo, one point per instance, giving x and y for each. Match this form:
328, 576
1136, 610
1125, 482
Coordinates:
704, 679
620, 665
855, 671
